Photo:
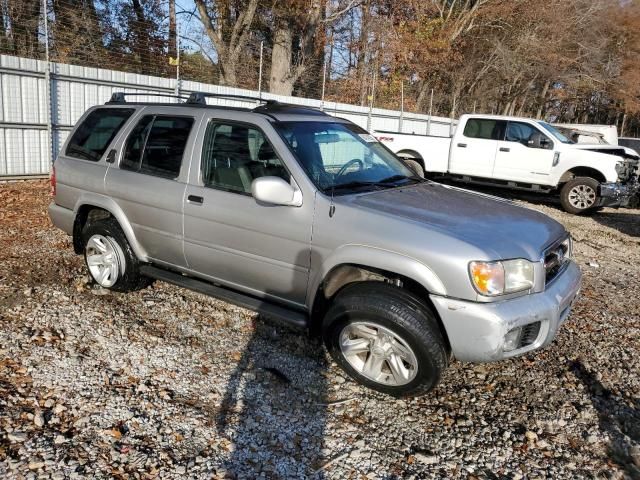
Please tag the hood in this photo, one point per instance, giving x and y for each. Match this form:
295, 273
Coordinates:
607, 149
499, 227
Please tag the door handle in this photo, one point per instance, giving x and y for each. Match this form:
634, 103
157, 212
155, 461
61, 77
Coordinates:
462, 145
195, 199
111, 156
505, 149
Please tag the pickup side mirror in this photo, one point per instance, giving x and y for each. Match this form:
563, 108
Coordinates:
275, 191
538, 140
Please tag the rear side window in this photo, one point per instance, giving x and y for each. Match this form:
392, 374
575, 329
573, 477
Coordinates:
484, 128
93, 136
156, 145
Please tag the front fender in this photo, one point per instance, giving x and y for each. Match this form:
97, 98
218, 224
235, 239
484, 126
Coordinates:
108, 204
603, 163
378, 258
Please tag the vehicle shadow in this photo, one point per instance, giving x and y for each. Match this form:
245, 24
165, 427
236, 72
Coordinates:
625, 221
273, 411
618, 417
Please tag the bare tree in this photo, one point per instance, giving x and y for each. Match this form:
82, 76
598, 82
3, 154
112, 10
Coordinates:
228, 26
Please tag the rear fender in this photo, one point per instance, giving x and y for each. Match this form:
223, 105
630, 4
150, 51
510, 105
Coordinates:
108, 204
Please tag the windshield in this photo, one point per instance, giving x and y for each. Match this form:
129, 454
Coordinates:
555, 132
343, 157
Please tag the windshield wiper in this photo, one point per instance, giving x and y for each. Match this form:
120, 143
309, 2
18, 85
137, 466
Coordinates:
384, 183
355, 184
395, 178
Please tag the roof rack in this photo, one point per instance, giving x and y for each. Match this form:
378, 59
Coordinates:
120, 97
200, 98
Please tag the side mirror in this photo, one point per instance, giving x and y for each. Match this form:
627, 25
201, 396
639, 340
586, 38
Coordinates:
537, 140
275, 191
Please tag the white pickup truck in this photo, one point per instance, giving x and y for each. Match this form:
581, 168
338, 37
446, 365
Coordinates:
525, 154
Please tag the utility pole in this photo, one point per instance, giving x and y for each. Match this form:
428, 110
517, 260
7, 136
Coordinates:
371, 100
324, 79
260, 71
401, 106
47, 81
430, 111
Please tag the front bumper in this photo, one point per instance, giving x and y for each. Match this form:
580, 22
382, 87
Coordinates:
619, 195
476, 331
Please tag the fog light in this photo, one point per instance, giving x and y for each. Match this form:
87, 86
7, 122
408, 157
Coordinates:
512, 339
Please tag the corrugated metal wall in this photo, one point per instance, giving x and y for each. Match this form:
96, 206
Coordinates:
25, 122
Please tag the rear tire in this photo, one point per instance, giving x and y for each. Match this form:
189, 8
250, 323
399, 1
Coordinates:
386, 339
111, 262
415, 166
580, 195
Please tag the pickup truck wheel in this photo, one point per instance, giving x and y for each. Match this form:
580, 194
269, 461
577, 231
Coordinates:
415, 166
579, 195
386, 339
109, 257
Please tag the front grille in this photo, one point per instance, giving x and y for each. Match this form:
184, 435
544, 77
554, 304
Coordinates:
529, 334
554, 260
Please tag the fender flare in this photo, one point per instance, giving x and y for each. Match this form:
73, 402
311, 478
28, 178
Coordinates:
108, 204
377, 258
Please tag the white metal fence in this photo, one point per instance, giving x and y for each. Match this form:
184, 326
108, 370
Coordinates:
33, 128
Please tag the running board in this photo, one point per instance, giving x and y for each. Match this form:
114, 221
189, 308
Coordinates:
282, 314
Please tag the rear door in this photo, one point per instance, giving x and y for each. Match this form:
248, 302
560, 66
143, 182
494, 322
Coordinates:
525, 155
149, 182
473, 152
230, 238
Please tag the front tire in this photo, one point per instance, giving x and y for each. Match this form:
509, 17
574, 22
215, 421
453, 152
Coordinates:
109, 258
385, 338
580, 195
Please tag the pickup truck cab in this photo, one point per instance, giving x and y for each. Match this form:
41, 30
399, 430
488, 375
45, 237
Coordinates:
311, 221
526, 154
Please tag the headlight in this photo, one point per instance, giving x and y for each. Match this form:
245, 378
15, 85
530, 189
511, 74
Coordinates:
567, 246
502, 277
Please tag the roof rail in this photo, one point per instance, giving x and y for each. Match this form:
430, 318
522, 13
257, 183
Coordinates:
200, 98
120, 97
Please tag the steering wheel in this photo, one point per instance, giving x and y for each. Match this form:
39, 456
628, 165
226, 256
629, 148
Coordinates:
346, 166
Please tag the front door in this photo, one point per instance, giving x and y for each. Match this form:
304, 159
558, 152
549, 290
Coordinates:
525, 155
229, 237
474, 152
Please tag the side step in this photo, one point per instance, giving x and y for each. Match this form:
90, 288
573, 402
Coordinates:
293, 318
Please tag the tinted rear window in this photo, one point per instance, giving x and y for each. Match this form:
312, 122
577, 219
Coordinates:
156, 145
487, 129
93, 136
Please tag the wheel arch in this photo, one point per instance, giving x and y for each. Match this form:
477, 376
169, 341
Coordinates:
92, 206
582, 172
351, 264
411, 154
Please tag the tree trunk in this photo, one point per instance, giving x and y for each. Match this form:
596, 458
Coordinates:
173, 36
423, 94
280, 79
543, 100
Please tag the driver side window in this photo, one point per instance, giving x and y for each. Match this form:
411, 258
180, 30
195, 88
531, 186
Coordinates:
524, 134
234, 155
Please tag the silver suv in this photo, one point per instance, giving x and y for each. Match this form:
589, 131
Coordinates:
307, 219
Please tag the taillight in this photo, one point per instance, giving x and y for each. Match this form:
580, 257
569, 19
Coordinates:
53, 180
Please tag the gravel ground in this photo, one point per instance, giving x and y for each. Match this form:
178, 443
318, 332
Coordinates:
167, 383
